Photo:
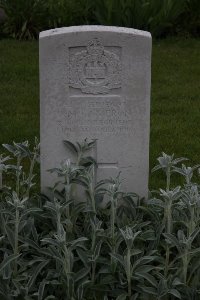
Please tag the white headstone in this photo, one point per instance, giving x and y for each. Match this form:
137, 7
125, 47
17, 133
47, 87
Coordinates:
95, 84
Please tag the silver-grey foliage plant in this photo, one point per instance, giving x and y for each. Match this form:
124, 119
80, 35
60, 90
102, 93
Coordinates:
91, 241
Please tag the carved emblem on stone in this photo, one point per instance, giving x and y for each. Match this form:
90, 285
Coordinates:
95, 70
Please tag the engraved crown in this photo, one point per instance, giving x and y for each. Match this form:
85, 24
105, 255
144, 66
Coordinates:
95, 47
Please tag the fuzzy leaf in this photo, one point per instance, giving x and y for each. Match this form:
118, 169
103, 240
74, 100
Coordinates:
10, 148
36, 271
175, 293
78, 241
41, 289
143, 269
82, 255
8, 260
174, 241
148, 290
194, 234
119, 258
10, 235
135, 252
149, 278
81, 274
71, 146
122, 296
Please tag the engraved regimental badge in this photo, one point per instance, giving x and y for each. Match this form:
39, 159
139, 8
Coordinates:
95, 70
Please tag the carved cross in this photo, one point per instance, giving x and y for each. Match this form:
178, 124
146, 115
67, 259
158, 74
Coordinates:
104, 166
107, 165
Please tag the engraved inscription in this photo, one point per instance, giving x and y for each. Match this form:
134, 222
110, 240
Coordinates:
97, 116
95, 70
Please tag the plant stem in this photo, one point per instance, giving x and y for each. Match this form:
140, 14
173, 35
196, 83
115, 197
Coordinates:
58, 225
168, 230
168, 178
112, 221
185, 267
18, 175
67, 197
112, 228
166, 260
192, 221
16, 237
1, 181
128, 272
91, 190
67, 269
92, 199
169, 217
93, 271
31, 174
93, 240
168, 220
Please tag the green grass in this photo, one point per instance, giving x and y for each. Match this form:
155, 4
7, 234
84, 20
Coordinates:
175, 101
19, 91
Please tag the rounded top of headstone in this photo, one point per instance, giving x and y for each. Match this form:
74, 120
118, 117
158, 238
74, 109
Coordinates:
94, 28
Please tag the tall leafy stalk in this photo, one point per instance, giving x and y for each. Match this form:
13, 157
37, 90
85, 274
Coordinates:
3, 168
166, 164
113, 192
33, 157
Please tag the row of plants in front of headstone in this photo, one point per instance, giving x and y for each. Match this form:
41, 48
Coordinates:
25, 19
91, 240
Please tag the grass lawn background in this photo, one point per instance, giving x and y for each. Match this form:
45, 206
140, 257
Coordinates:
175, 98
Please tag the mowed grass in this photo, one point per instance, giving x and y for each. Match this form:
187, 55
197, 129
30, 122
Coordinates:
19, 91
175, 100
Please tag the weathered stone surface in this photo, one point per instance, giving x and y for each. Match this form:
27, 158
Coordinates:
95, 84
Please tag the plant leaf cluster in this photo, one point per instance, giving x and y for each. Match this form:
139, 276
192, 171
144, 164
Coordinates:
90, 240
